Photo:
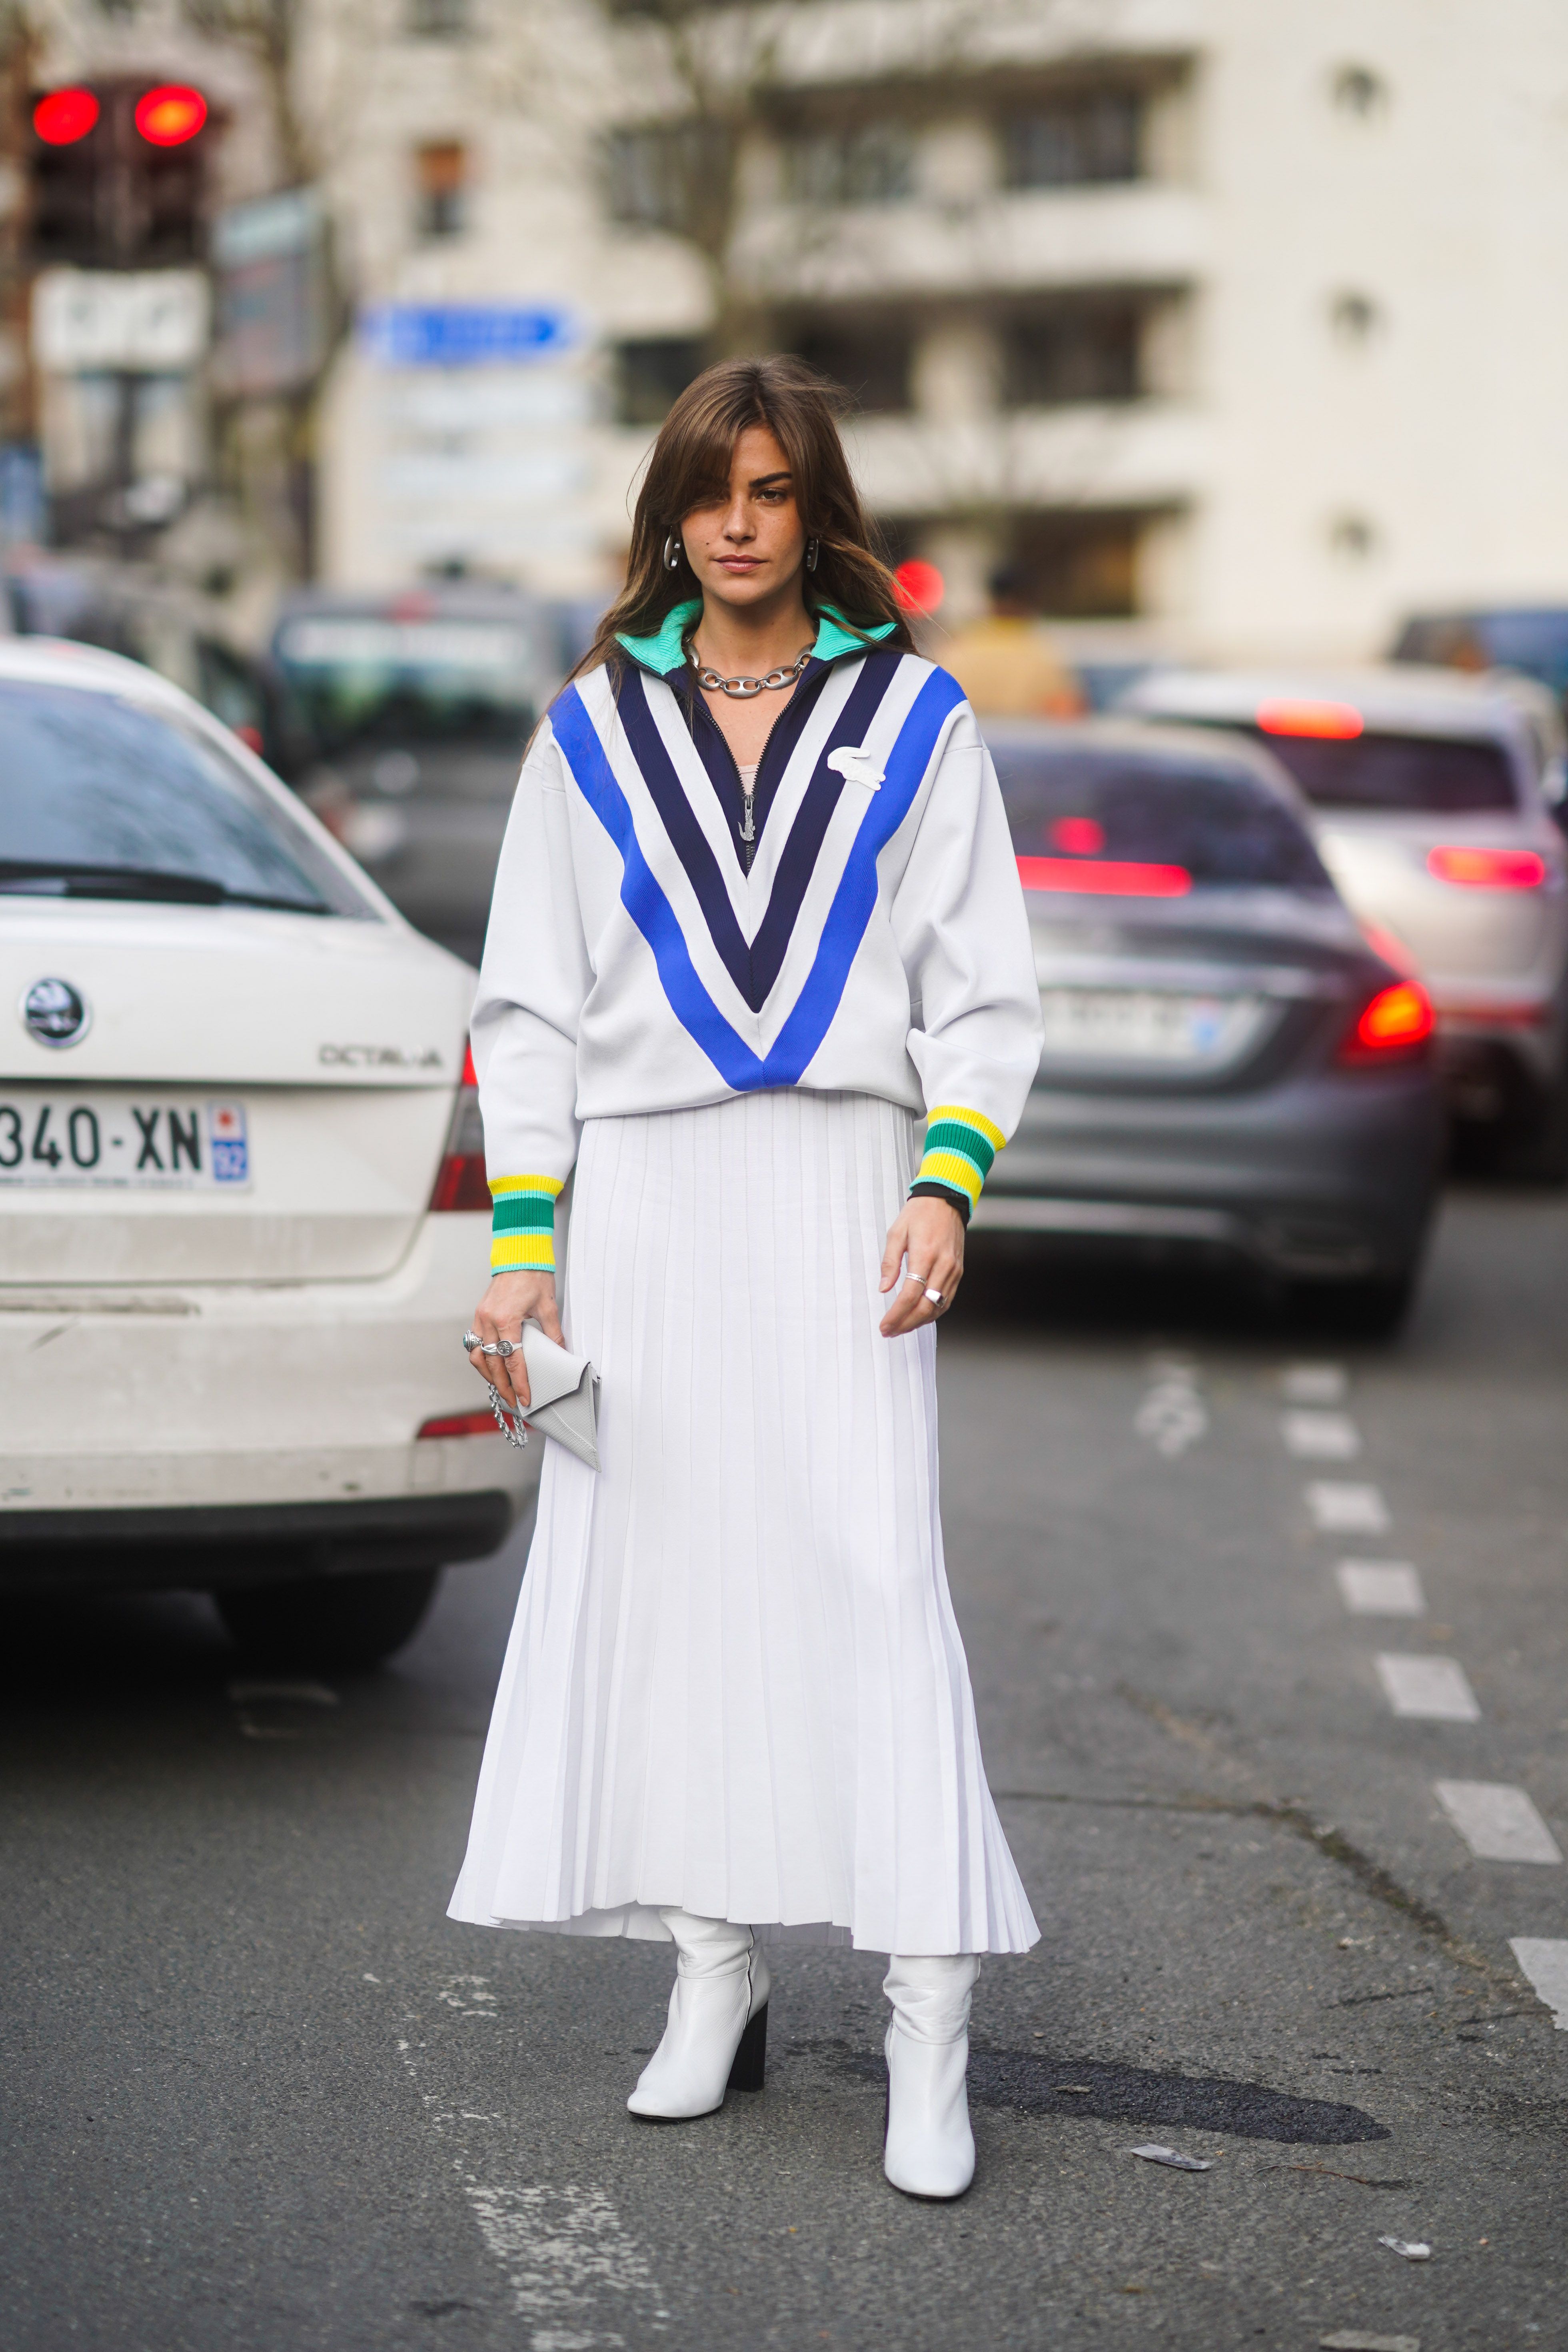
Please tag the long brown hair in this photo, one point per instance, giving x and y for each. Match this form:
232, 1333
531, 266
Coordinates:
690, 466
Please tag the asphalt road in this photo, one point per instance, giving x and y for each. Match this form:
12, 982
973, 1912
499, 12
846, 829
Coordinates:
260, 2094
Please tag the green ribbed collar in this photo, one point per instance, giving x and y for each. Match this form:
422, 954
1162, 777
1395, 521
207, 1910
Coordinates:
664, 652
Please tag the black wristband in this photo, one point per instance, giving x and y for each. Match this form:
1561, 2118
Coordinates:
926, 1191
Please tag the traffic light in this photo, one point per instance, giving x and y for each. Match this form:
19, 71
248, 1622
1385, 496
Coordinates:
117, 174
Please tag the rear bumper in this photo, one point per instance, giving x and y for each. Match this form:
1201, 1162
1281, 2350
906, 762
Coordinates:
205, 1549
1329, 1177
249, 1395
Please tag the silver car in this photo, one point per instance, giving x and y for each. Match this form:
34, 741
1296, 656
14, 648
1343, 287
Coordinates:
1228, 1067
1431, 795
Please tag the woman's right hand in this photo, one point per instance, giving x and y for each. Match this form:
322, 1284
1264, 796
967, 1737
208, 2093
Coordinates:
512, 1300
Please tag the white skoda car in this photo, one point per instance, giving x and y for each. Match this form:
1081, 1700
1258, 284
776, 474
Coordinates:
243, 1214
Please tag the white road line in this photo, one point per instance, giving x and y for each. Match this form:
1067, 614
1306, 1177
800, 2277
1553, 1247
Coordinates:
1321, 1436
1544, 1959
1438, 1688
1172, 1415
1498, 1822
1314, 1383
1344, 1510
1381, 1587
561, 2249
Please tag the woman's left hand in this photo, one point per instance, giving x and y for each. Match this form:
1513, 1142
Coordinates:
930, 1235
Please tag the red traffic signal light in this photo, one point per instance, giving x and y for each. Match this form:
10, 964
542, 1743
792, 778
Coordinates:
168, 116
64, 116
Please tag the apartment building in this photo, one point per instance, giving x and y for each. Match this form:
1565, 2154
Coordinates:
1240, 323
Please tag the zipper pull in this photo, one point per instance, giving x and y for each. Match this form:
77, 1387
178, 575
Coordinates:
748, 831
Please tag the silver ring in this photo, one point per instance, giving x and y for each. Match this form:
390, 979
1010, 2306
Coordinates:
470, 1341
935, 1297
497, 1348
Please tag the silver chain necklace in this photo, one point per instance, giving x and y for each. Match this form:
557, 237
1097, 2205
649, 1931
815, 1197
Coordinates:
744, 687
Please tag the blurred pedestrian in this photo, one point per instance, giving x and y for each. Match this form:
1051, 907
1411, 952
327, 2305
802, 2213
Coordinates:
756, 913
1005, 662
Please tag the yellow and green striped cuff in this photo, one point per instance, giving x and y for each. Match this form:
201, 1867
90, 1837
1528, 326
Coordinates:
960, 1147
523, 1235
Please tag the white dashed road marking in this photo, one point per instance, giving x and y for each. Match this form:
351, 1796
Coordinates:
1438, 1688
1172, 1415
1321, 1436
1498, 1822
1381, 1587
1544, 1959
1345, 1510
1314, 1383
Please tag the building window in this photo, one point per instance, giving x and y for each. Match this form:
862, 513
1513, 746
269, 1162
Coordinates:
863, 164
667, 174
440, 20
1074, 141
441, 179
871, 363
1358, 93
1082, 351
651, 373
1079, 566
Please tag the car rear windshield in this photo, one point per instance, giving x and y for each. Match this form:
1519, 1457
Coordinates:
1421, 774
101, 796
1220, 825
372, 679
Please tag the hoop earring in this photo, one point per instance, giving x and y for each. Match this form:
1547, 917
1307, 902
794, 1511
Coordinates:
673, 552
812, 547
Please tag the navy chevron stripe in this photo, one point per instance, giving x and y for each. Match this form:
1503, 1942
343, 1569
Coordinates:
687, 837
798, 859
753, 968
739, 1067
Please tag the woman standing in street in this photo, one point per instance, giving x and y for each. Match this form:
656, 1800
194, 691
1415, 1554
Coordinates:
757, 913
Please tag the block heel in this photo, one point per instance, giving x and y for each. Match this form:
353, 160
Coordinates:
752, 2057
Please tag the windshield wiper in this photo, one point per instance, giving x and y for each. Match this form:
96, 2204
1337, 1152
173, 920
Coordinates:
88, 881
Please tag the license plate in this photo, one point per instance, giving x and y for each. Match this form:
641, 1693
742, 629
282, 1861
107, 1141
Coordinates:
1111, 1024
90, 1140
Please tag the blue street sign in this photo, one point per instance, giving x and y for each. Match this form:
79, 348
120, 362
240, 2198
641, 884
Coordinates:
466, 334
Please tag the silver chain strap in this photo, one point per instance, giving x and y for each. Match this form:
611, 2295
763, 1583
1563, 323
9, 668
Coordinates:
742, 688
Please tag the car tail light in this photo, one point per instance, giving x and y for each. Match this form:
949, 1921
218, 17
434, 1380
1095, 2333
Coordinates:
1338, 721
1395, 1021
460, 1179
1104, 877
1488, 869
482, 1424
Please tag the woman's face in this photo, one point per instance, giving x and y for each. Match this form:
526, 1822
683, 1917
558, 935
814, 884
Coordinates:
749, 545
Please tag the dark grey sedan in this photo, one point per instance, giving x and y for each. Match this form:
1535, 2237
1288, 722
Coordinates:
1227, 1066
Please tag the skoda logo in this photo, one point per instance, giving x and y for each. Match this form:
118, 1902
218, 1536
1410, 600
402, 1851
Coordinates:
54, 1013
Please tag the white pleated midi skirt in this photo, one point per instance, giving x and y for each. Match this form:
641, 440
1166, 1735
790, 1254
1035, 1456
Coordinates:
735, 1684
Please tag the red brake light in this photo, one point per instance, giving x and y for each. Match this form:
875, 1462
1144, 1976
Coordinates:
460, 1182
168, 116
461, 1425
1488, 869
1339, 720
1107, 877
1399, 1018
1082, 836
65, 116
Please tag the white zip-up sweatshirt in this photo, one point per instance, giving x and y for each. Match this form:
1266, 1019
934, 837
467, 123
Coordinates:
876, 943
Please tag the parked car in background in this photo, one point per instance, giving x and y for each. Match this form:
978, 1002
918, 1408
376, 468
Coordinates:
1529, 638
1228, 1067
1431, 795
243, 1213
419, 705
187, 637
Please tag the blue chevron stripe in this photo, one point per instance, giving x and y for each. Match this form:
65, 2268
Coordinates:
739, 1067
752, 966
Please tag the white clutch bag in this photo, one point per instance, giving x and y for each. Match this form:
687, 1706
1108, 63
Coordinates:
563, 1395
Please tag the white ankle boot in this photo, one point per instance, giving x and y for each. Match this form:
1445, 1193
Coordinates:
930, 2149
716, 2038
